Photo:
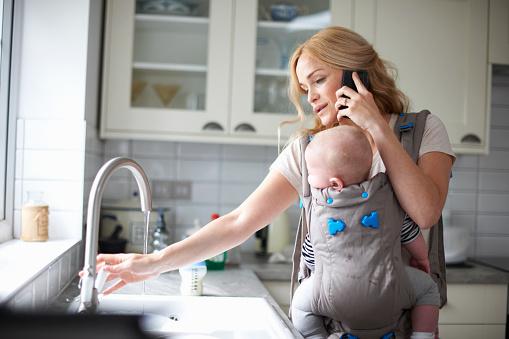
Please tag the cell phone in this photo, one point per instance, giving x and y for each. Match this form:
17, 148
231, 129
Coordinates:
348, 81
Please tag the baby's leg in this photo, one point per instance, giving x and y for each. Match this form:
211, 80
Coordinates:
308, 324
426, 307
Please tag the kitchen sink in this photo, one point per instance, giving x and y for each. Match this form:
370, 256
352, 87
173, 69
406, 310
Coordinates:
200, 317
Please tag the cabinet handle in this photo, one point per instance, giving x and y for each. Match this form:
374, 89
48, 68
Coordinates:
471, 138
245, 128
212, 126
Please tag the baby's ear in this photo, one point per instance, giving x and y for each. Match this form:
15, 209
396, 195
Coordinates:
336, 184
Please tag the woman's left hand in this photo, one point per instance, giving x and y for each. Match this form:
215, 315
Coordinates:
361, 107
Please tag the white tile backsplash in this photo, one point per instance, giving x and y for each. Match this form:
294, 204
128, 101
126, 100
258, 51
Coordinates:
499, 115
494, 181
491, 246
198, 151
244, 172
154, 149
247, 153
48, 134
53, 165
198, 170
493, 224
499, 138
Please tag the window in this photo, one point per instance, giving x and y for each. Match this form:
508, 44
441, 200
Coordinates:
7, 123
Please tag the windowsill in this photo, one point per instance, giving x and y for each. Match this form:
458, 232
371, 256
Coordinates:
21, 262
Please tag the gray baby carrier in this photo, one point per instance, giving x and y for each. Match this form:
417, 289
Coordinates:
358, 280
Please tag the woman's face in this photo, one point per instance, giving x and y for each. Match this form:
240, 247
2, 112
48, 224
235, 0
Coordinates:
320, 83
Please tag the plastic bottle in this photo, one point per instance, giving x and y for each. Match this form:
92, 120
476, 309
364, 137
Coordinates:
192, 278
217, 262
160, 236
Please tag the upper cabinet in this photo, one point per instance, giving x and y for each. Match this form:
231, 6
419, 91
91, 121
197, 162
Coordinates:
217, 70
439, 48
203, 70
499, 32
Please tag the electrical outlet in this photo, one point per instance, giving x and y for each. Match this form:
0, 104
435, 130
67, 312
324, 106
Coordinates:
182, 190
162, 189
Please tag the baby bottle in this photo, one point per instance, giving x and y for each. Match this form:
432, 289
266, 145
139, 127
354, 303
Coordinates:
34, 218
192, 278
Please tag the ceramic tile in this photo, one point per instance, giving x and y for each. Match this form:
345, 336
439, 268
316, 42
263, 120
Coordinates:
494, 181
65, 269
500, 116
243, 172
55, 134
53, 165
20, 134
463, 180
461, 201
18, 171
53, 280
493, 202
65, 224
236, 193
497, 159
116, 148
207, 193
187, 213
465, 161
499, 138
198, 151
154, 149
494, 224
198, 170
499, 95
158, 168
244, 152
17, 224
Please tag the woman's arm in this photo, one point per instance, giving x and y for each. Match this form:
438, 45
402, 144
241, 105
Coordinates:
421, 188
273, 196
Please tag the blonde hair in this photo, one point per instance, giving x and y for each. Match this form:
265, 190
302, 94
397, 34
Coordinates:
341, 48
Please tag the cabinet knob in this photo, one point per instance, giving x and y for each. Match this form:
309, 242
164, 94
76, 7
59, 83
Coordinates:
471, 138
212, 126
245, 128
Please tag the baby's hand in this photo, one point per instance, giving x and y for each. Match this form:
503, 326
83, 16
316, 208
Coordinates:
422, 264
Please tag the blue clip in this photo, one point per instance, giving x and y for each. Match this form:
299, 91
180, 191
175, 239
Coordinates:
371, 220
301, 204
406, 127
335, 226
349, 336
364, 195
330, 200
388, 335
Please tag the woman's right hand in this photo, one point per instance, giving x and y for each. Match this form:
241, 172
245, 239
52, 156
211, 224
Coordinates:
128, 268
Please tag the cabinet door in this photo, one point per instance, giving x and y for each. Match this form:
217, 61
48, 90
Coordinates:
499, 32
263, 43
163, 76
439, 48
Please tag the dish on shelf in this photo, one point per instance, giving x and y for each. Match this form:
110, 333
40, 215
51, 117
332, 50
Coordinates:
283, 12
137, 87
166, 92
172, 7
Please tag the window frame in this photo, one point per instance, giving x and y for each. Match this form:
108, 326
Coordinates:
7, 124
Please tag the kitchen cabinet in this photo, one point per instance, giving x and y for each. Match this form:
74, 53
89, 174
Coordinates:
499, 32
439, 48
474, 311
203, 70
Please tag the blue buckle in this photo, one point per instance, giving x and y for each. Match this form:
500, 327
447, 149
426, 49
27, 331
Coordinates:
406, 127
335, 226
371, 220
349, 336
389, 335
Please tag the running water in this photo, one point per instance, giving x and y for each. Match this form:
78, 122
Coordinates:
145, 239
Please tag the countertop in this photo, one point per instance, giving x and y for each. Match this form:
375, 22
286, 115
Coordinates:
470, 272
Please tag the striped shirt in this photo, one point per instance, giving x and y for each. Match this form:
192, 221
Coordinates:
409, 232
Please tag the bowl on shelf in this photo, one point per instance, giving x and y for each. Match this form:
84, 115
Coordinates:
166, 92
137, 86
283, 12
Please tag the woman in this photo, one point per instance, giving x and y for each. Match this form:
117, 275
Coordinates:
316, 71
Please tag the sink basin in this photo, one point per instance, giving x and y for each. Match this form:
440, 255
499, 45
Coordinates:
200, 317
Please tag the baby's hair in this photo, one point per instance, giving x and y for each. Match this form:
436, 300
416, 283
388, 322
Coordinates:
346, 149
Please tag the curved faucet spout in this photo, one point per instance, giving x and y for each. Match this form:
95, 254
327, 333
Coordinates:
88, 291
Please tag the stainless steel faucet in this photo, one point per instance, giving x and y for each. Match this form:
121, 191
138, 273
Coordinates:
88, 299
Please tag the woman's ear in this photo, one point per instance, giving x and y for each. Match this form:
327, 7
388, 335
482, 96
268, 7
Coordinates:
336, 183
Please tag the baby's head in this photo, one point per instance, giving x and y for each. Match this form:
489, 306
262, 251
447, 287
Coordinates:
338, 157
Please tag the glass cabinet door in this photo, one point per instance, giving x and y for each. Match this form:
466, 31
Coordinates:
277, 28
169, 68
166, 67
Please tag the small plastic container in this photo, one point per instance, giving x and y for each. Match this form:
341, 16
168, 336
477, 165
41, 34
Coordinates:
192, 278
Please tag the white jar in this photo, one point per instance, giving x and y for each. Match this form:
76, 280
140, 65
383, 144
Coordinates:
192, 278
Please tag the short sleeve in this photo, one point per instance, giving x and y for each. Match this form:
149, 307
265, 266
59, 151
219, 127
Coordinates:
288, 164
435, 137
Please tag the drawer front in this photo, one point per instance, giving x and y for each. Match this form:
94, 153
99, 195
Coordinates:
475, 304
472, 331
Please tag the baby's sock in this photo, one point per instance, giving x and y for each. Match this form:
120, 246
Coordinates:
422, 335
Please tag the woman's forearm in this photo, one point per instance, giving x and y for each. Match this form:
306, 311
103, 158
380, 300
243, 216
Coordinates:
421, 190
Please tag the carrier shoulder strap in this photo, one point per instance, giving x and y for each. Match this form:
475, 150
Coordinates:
410, 128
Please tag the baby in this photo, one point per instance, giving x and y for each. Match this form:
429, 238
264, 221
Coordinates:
338, 158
